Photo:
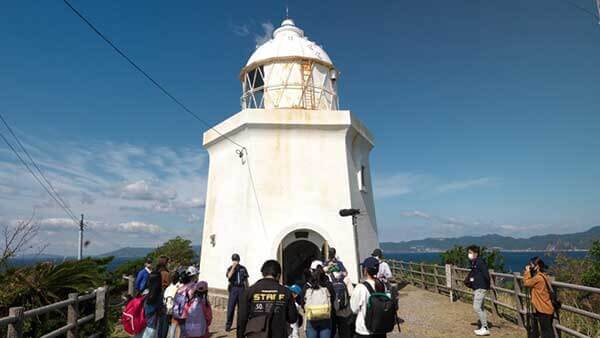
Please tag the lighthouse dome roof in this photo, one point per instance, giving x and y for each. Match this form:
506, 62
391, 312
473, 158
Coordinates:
288, 41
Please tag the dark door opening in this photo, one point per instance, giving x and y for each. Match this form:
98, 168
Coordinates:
297, 258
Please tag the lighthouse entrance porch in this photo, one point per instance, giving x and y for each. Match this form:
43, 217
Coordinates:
297, 251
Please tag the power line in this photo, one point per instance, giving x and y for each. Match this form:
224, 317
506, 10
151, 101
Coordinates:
150, 78
36, 177
242, 149
64, 204
583, 9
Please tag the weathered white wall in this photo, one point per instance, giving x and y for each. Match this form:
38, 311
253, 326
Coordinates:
304, 168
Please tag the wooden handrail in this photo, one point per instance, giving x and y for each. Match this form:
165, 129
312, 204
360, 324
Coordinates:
17, 315
417, 277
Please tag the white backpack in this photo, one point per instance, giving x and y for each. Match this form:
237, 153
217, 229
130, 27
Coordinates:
317, 304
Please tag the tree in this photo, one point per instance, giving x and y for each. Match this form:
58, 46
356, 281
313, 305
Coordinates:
19, 239
178, 250
458, 256
591, 277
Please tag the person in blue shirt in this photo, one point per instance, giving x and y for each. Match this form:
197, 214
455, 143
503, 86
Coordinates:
141, 280
237, 275
334, 263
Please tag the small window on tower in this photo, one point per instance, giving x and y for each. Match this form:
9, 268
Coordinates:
362, 182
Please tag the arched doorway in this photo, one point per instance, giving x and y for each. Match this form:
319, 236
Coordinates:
296, 258
297, 250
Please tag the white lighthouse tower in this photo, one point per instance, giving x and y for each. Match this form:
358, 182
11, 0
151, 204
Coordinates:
304, 160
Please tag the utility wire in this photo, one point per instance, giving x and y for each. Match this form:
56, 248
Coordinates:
36, 177
242, 149
583, 9
150, 78
41, 173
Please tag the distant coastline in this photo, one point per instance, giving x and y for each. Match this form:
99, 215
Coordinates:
500, 250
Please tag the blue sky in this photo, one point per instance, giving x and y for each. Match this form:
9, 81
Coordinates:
486, 115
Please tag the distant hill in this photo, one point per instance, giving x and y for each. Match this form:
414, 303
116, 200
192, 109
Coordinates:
551, 242
132, 252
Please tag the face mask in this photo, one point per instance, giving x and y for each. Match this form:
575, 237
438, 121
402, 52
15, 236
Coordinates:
471, 256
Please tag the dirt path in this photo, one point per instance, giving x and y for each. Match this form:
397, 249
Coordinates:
425, 314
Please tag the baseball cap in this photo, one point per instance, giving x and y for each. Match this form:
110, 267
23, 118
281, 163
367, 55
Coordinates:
377, 253
295, 289
371, 263
202, 286
315, 264
191, 271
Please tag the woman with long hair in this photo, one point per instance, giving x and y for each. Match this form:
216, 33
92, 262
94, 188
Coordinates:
536, 279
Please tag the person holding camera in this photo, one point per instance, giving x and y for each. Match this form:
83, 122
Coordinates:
478, 279
536, 279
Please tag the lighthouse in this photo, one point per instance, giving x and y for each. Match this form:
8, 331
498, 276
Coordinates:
282, 168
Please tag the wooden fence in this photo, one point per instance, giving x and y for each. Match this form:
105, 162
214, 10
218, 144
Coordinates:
75, 319
507, 297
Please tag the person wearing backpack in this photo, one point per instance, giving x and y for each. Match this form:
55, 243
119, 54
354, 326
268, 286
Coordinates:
375, 310
385, 273
536, 279
343, 288
267, 308
334, 263
153, 306
181, 302
478, 280
317, 301
197, 325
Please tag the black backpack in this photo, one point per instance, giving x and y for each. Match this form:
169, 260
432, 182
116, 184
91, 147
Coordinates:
341, 300
381, 316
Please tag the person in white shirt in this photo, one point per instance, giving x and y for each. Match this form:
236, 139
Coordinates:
384, 272
360, 297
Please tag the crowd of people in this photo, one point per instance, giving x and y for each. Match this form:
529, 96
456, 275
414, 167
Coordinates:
326, 304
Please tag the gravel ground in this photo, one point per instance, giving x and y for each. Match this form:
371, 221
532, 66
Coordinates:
425, 314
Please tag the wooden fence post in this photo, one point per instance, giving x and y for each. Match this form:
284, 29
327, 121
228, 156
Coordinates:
518, 304
449, 283
72, 314
15, 330
454, 275
493, 294
130, 282
105, 320
423, 276
435, 279
555, 319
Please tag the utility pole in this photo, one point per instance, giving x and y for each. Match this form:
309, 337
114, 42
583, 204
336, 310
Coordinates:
80, 251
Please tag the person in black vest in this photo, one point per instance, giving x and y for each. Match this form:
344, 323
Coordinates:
478, 280
267, 308
238, 282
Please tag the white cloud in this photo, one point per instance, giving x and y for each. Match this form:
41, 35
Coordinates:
135, 227
268, 29
466, 184
416, 213
240, 30
121, 188
396, 185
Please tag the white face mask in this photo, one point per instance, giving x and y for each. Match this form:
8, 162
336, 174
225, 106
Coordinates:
471, 256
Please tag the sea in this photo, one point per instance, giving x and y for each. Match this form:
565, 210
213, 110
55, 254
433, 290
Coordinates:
513, 260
